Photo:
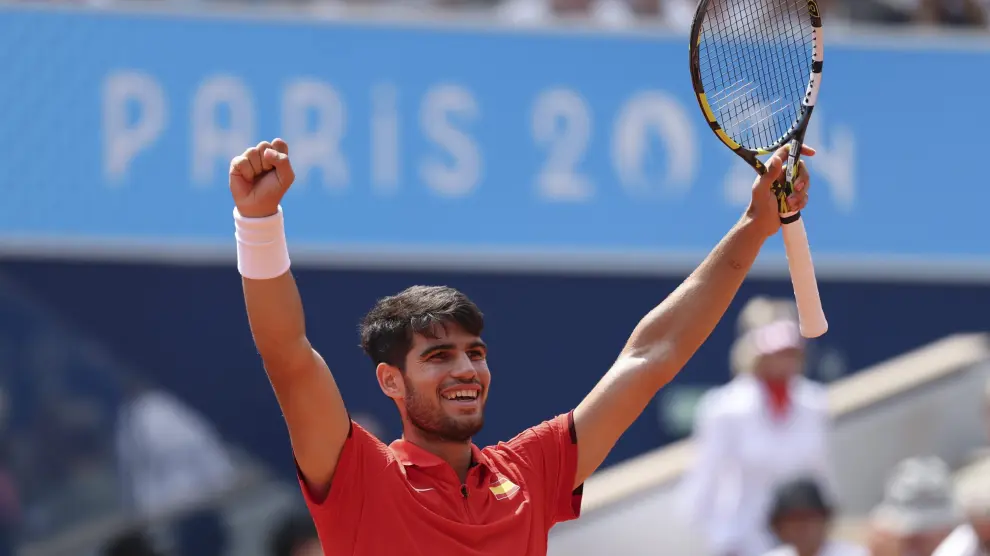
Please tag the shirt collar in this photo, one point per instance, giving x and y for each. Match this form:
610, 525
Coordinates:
408, 454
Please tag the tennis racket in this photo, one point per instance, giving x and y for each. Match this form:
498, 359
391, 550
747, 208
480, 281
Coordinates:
756, 66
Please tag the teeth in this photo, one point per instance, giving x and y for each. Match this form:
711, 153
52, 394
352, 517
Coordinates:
471, 394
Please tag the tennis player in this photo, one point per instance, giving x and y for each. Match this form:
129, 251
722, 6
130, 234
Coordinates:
433, 492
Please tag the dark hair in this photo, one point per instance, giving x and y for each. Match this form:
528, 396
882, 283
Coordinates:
387, 330
130, 543
292, 533
800, 494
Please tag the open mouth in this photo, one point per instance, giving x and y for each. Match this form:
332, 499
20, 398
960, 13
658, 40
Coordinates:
463, 397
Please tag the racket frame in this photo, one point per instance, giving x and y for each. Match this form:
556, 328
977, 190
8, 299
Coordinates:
811, 314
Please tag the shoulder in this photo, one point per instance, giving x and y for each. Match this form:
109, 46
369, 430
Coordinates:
362, 462
811, 394
371, 446
548, 436
738, 397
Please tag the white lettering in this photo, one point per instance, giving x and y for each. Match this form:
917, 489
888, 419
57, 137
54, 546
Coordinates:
211, 142
317, 146
738, 184
384, 138
654, 112
461, 177
835, 161
834, 164
124, 139
562, 123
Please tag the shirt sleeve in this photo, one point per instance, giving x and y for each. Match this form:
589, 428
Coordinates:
361, 460
551, 451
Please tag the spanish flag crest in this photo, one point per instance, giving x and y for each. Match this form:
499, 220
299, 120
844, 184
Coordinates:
503, 488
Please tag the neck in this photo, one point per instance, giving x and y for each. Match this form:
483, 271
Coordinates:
456, 454
778, 392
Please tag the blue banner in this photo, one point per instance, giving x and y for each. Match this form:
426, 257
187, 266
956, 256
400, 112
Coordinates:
459, 140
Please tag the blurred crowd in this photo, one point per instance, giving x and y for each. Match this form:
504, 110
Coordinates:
763, 483
93, 453
676, 14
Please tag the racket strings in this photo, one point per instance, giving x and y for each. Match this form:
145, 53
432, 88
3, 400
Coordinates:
755, 60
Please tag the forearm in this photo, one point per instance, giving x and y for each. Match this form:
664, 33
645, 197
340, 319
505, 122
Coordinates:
275, 314
672, 332
274, 308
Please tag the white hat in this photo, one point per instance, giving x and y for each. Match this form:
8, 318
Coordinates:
918, 498
774, 337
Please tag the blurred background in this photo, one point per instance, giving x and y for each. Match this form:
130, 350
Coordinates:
548, 158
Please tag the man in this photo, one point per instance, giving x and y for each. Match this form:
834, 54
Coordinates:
173, 463
130, 543
918, 511
433, 491
801, 518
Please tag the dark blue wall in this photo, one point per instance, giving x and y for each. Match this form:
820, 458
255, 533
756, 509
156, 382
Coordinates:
551, 337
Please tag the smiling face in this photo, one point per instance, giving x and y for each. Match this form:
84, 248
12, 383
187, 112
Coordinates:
444, 386
426, 342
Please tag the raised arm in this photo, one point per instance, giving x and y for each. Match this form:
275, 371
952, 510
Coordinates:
667, 337
310, 401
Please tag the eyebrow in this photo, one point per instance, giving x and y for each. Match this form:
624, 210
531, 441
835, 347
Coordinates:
441, 347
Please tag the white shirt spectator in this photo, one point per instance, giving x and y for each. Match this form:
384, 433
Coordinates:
831, 548
169, 455
744, 452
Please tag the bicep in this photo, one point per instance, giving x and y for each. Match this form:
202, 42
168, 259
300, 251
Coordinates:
612, 406
314, 414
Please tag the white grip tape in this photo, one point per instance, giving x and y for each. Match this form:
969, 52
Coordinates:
809, 304
262, 252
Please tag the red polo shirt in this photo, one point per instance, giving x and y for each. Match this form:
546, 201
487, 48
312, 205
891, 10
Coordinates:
401, 499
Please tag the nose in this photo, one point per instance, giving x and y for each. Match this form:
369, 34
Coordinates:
464, 369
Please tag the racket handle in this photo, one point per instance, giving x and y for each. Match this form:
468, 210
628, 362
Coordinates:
809, 303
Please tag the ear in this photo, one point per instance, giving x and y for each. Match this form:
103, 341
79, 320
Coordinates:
390, 381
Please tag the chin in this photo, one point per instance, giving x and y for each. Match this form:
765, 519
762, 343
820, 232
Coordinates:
468, 426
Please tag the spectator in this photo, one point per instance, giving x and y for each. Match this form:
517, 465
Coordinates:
972, 538
767, 426
918, 511
172, 460
966, 13
296, 536
131, 543
10, 504
801, 519
616, 13
934, 12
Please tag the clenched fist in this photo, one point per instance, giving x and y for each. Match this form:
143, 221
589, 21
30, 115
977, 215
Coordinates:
260, 177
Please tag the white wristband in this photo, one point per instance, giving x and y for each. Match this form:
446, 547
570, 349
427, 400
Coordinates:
262, 252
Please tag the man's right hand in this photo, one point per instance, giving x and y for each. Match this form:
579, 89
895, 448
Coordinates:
260, 177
